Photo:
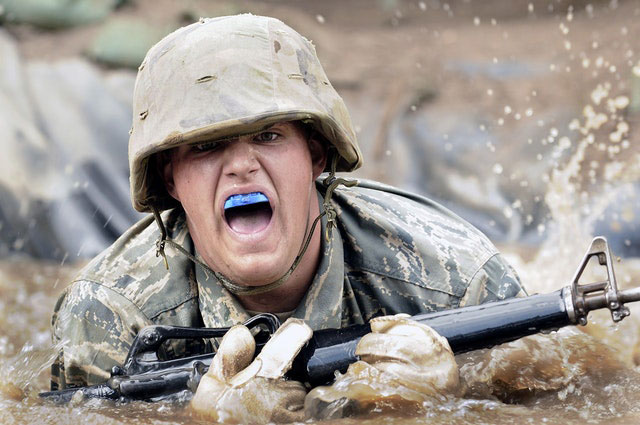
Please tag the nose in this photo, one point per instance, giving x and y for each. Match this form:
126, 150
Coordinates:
240, 159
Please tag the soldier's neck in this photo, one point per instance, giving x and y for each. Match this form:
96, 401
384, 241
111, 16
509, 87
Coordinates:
287, 297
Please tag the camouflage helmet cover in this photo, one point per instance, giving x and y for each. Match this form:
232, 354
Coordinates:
223, 77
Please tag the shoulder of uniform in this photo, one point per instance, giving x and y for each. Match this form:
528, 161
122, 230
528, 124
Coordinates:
131, 268
409, 237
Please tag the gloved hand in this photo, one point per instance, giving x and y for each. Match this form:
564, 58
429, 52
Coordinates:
403, 362
237, 390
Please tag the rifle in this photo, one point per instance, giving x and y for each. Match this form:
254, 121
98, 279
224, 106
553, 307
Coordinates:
145, 377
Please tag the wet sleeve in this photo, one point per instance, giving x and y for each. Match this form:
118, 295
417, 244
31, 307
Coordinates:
95, 327
495, 280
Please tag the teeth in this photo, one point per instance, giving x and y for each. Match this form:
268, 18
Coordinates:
244, 199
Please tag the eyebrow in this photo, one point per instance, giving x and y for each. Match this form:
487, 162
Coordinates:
236, 137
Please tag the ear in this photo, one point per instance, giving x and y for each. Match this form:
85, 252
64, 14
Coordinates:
165, 166
318, 156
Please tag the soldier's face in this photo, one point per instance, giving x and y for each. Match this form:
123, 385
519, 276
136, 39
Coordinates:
248, 200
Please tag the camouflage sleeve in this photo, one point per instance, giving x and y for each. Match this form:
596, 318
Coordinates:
495, 280
95, 327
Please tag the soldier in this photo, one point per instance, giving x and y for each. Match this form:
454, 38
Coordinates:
234, 120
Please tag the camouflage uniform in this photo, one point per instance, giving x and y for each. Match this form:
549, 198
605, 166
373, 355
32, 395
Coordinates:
391, 252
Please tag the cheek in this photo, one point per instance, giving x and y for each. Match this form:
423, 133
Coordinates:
191, 179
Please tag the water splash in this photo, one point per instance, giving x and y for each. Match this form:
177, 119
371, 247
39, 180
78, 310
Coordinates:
19, 373
582, 184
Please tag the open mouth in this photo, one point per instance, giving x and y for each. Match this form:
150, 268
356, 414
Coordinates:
248, 212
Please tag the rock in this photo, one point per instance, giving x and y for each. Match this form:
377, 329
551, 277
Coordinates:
124, 42
53, 14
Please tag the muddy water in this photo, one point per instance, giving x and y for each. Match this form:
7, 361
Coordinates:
586, 375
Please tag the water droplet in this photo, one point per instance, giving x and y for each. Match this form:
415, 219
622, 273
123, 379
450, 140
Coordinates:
422, 5
622, 127
599, 62
18, 244
574, 124
490, 91
621, 102
589, 9
497, 169
530, 7
567, 45
528, 112
564, 143
414, 108
564, 29
320, 19
476, 21
599, 93
507, 110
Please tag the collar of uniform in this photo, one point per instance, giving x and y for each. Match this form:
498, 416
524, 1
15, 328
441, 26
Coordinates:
218, 307
321, 307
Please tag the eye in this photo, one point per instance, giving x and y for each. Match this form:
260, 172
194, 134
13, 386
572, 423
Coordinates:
266, 137
207, 146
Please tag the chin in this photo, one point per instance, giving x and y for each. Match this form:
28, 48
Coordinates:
259, 273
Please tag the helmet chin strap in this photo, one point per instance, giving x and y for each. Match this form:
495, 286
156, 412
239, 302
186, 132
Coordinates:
331, 182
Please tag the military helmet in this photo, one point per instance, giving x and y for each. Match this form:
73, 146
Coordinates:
224, 77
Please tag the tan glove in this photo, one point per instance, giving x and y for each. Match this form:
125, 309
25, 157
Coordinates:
238, 390
403, 363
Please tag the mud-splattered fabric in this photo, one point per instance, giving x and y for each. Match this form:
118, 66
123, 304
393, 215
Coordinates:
391, 252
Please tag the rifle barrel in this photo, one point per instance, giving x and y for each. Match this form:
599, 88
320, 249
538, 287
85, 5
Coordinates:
629, 295
466, 329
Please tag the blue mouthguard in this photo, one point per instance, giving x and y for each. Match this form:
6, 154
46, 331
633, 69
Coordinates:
244, 199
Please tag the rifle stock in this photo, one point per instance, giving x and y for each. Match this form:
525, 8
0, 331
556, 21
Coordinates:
144, 377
